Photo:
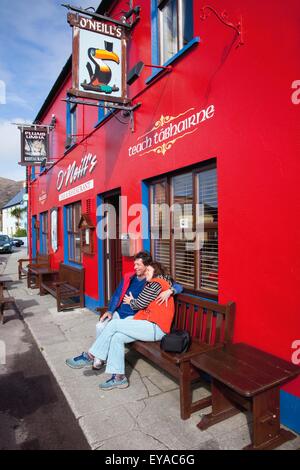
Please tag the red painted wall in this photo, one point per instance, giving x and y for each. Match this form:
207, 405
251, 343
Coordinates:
254, 136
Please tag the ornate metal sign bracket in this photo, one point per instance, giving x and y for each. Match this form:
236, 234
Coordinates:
223, 17
127, 110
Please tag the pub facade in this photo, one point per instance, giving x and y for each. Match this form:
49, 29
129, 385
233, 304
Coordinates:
212, 130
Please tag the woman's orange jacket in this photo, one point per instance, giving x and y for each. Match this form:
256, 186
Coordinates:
163, 314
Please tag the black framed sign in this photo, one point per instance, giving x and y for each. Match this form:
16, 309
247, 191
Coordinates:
34, 145
98, 59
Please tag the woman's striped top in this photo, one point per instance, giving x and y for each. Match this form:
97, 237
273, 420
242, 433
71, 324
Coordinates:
148, 294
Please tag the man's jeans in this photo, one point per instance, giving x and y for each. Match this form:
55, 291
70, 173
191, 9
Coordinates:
109, 345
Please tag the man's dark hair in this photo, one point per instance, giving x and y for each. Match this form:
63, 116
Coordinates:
144, 256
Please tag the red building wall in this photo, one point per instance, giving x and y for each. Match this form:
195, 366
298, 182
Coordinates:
254, 136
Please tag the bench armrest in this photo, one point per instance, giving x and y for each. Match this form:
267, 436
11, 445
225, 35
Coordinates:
37, 265
28, 260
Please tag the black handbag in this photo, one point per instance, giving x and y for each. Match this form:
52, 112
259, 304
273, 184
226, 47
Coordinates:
178, 341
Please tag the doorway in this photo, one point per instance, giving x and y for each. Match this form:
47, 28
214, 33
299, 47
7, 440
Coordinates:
112, 246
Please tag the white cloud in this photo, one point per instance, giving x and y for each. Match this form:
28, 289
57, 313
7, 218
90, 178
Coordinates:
10, 150
16, 99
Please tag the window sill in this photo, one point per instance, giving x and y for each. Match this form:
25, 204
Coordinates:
70, 148
174, 58
201, 294
75, 264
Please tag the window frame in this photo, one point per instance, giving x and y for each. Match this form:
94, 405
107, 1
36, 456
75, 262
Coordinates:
167, 179
71, 125
103, 113
160, 4
44, 237
71, 232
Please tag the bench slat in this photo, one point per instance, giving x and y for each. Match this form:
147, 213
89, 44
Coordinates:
199, 321
219, 329
208, 327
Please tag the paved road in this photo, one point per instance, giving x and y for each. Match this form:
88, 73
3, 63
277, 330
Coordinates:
33, 411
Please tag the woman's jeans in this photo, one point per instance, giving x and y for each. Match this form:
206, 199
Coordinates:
109, 346
100, 325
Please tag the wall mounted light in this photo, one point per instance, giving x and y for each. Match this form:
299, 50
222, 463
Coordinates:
53, 120
136, 71
133, 11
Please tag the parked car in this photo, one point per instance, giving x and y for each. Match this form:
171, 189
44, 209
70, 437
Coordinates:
17, 242
6, 244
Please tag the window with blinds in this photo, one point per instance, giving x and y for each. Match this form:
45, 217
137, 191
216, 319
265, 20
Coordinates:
182, 199
73, 219
160, 223
208, 255
184, 210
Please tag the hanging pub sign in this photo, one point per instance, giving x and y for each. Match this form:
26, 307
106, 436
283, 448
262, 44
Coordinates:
98, 59
34, 145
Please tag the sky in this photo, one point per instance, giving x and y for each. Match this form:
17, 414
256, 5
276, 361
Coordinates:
35, 43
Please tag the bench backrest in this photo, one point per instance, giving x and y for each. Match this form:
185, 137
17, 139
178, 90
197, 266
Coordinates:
43, 259
71, 275
206, 321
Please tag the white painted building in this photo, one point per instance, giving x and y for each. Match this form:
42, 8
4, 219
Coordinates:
9, 221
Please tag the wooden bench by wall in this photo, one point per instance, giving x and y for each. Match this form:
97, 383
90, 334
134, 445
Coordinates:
210, 325
42, 261
65, 284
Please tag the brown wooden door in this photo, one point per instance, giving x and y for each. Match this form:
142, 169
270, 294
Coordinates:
112, 248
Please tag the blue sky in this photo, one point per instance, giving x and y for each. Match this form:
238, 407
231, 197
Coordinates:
35, 43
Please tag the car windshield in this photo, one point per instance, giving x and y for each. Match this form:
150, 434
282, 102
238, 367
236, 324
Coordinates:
4, 238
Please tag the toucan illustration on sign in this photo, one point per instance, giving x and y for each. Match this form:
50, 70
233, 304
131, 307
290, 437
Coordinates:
101, 75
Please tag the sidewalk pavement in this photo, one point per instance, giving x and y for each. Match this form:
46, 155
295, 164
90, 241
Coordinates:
144, 416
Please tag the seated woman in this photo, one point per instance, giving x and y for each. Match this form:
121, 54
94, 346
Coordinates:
150, 324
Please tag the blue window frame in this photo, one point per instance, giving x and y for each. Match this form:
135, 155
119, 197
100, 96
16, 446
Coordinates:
103, 113
34, 237
172, 28
73, 215
44, 233
71, 124
32, 173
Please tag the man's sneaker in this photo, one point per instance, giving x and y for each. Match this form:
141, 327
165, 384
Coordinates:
113, 383
80, 361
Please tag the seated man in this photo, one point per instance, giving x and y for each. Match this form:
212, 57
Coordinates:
132, 283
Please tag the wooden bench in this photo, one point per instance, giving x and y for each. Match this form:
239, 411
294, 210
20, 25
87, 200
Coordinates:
40, 261
210, 325
244, 376
66, 284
